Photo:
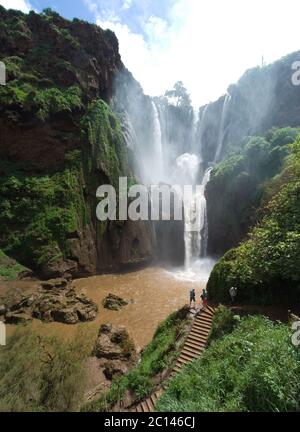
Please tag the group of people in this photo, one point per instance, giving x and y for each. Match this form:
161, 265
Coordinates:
204, 297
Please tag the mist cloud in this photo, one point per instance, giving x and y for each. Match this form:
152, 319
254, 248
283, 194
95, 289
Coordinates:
206, 44
22, 5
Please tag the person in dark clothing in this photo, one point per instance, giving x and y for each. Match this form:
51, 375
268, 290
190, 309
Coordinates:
204, 298
192, 297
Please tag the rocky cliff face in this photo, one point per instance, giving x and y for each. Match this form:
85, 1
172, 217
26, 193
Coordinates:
263, 98
60, 140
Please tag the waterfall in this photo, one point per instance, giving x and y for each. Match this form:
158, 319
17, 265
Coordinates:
195, 208
222, 128
202, 124
204, 242
157, 168
194, 130
196, 224
129, 132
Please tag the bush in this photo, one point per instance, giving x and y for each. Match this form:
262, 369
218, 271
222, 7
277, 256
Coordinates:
255, 368
223, 323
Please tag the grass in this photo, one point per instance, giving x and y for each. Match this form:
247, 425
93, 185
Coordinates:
41, 374
254, 368
223, 323
9, 269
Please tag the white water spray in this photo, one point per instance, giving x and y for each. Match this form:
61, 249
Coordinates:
195, 208
222, 129
202, 125
157, 145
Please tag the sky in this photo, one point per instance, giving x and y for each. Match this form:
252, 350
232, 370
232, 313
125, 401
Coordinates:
207, 44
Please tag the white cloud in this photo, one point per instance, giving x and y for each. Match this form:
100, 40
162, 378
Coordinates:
127, 4
208, 43
22, 5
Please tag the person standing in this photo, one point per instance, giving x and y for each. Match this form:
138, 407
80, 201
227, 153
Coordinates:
233, 294
204, 298
192, 297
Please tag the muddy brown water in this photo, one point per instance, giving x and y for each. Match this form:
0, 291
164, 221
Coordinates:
155, 294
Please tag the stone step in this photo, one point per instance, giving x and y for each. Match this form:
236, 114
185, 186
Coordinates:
203, 330
193, 351
188, 357
200, 330
150, 405
144, 407
197, 339
183, 361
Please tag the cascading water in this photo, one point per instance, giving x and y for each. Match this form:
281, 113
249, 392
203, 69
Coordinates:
195, 209
204, 240
197, 265
202, 124
129, 132
222, 129
156, 164
194, 130
158, 157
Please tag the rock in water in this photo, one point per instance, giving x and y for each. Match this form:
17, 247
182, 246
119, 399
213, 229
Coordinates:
54, 284
65, 306
113, 302
56, 301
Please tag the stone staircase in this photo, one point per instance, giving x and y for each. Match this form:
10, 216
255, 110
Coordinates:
194, 346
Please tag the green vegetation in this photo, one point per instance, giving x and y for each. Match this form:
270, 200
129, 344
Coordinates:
238, 184
158, 356
42, 82
48, 92
223, 323
38, 213
107, 151
41, 102
9, 269
265, 267
255, 368
41, 374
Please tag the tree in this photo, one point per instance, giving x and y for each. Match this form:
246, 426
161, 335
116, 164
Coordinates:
180, 95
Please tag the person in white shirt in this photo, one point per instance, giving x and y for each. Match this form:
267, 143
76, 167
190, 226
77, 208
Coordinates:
233, 294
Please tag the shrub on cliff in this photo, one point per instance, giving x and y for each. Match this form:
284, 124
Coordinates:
265, 267
255, 368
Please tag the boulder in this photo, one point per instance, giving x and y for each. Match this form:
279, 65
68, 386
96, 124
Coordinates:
65, 306
54, 284
115, 368
115, 303
17, 317
66, 316
55, 301
114, 343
